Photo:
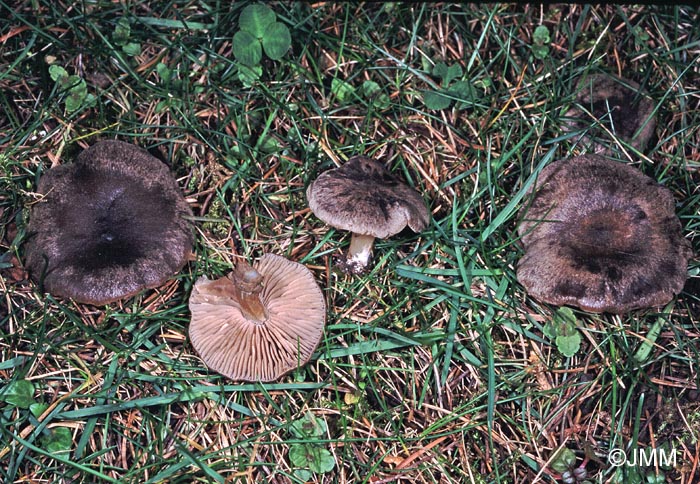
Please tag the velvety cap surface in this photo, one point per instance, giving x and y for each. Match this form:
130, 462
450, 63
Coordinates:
362, 197
617, 104
109, 225
601, 235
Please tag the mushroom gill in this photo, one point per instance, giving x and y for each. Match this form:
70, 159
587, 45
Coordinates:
258, 323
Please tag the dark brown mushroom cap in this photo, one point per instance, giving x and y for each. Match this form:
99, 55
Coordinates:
244, 349
362, 197
602, 236
109, 225
608, 97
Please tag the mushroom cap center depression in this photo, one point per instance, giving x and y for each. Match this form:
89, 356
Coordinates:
119, 222
605, 235
623, 111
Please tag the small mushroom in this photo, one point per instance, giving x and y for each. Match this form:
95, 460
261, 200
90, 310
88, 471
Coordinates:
617, 104
601, 235
258, 323
108, 226
362, 197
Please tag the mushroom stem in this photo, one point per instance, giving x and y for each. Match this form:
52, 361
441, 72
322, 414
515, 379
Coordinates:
359, 252
248, 283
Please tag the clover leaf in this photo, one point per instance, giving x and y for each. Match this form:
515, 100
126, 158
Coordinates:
58, 441
461, 90
448, 74
540, 37
309, 426
373, 91
311, 456
341, 89
256, 18
276, 41
247, 48
564, 460
436, 100
19, 394
259, 32
563, 330
73, 87
120, 36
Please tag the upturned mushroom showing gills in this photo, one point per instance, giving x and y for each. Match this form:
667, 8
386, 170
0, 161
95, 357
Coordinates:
607, 103
601, 235
258, 323
362, 197
108, 226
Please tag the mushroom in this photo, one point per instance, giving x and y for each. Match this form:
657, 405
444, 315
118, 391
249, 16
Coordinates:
601, 235
362, 197
258, 323
108, 226
617, 104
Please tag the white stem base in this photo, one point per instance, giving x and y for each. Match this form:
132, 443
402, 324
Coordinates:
359, 253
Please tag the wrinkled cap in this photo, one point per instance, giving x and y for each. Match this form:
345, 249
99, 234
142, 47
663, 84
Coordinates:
108, 226
362, 197
616, 103
600, 235
251, 349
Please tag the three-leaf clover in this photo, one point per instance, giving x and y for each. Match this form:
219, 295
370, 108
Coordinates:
19, 394
373, 91
120, 36
564, 460
460, 90
564, 463
58, 440
369, 90
309, 456
259, 32
309, 427
341, 89
74, 87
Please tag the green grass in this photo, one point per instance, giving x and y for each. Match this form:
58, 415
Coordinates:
434, 367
